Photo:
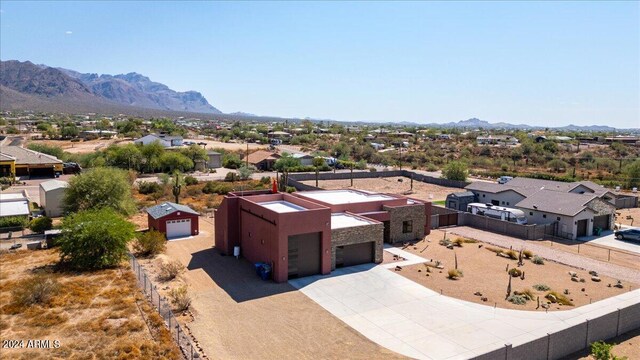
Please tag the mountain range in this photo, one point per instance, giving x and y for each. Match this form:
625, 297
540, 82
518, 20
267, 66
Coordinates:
24, 84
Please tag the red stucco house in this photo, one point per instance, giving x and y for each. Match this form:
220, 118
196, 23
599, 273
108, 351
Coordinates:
173, 220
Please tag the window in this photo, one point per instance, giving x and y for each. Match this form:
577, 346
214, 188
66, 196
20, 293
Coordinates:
407, 226
503, 203
531, 213
558, 218
507, 203
544, 216
482, 195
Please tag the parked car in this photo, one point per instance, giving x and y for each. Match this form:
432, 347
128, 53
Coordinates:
71, 168
15, 246
504, 179
629, 234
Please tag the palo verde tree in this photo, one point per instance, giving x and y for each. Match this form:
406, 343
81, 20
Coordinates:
94, 239
455, 170
98, 188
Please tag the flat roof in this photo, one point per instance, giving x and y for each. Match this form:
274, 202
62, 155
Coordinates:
281, 206
338, 197
14, 208
342, 220
12, 196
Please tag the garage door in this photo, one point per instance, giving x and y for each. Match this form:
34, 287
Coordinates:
178, 228
304, 255
356, 254
601, 222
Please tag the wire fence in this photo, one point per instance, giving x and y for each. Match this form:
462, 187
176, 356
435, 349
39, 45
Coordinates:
164, 309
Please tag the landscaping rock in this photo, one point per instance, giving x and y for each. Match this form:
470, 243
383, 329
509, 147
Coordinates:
573, 273
477, 293
582, 280
619, 285
552, 298
545, 306
484, 299
575, 279
593, 273
595, 279
583, 290
398, 268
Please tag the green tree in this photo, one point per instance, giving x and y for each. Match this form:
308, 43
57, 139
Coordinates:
195, 153
41, 224
149, 243
516, 155
152, 153
286, 163
126, 156
97, 188
632, 172
69, 130
455, 170
172, 161
244, 173
231, 161
557, 165
94, 239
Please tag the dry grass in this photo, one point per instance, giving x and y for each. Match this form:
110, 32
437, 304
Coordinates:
98, 315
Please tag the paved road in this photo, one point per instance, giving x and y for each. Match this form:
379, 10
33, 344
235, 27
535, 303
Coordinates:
415, 321
575, 260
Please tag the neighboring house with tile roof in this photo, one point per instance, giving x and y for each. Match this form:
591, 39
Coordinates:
577, 208
263, 160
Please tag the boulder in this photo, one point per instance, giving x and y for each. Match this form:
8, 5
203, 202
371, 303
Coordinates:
573, 274
596, 279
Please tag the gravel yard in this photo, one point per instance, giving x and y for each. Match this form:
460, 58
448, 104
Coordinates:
630, 273
392, 185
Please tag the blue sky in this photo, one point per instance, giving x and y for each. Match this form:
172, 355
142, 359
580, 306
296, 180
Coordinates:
542, 63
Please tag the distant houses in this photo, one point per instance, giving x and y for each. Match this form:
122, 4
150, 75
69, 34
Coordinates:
497, 140
163, 139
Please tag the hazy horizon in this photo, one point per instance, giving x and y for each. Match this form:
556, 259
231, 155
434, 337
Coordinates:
537, 63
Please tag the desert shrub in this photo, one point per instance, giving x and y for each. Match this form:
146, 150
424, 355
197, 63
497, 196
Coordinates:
37, 289
265, 180
517, 299
541, 287
526, 293
169, 270
515, 272
231, 176
194, 191
14, 221
528, 254
214, 187
190, 180
458, 242
244, 173
495, 250
149, 243
537, 260
180, 298
559, 298
600, 350
512, 254
41, 224
148, 187
454, 274
372, 169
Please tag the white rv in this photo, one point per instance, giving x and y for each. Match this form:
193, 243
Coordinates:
498, 212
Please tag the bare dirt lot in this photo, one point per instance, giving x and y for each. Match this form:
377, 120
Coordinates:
485, 272
212, 144
238, 316
80, 147
390, 185
628, 217
99, 314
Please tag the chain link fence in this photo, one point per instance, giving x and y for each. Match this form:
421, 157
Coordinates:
164, 309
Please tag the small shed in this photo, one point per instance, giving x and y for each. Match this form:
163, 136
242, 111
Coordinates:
214, 160
51, 195
460, 200
173, 220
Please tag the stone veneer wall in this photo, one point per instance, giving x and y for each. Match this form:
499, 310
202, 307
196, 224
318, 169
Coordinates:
602, 207
400, 214
357, 235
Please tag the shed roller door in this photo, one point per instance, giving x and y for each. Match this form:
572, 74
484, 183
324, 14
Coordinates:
178, 228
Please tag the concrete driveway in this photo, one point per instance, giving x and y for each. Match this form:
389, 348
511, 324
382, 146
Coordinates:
610, 240
412, 320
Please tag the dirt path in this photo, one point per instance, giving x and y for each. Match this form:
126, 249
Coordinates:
612, 270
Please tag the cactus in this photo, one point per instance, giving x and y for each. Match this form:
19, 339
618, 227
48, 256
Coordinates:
177, 188
455, 258
522, 276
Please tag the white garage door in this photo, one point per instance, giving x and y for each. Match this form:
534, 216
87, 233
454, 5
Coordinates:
178, 228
